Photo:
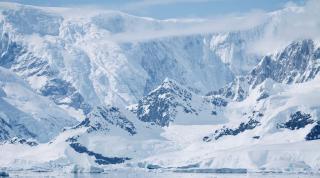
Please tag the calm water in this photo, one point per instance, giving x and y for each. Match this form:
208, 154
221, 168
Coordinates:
142, 174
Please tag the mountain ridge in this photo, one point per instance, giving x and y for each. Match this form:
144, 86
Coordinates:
74, 97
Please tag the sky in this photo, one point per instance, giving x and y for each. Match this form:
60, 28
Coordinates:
164, 9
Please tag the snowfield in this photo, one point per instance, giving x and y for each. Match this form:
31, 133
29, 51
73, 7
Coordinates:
79, 94
181, 146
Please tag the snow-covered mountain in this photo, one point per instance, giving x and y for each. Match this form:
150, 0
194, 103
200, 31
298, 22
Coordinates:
53, 50
79, 93
26, 114
297, 63
171, 102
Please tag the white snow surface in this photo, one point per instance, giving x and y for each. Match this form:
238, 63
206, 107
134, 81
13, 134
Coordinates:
20, 105
89, 53
84, 50
179, 145
277, 149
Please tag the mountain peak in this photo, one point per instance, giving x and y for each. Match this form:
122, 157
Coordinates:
104, 119
297, 63
170, 84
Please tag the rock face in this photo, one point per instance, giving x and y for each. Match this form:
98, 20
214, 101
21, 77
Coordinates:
99, 159
216, 101
160, 106
65, 59
5, 129
25, 114
237, 90
4, 174
102, 118
314, 134
16, 140
63, 93
224, 131
298, 62
16, 57
297, 120
171, 101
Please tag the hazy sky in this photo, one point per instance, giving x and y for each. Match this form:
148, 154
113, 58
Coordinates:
163, 9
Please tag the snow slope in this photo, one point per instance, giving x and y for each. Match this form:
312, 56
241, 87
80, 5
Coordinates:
78, 93
81, 57
276, 143
26, 114
114, 137
296, 63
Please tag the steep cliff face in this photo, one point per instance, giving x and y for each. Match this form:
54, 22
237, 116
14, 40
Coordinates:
297, 63
26, 114
79, 61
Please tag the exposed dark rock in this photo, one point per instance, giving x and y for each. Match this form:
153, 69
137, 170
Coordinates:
16, 140
297, 120
256, 137
100, 159
58, 90
72, 139
84, 123
159, 106
152, 166
214, 113
251, 124
103, 117
9, 51
217, 101
260, 115
297, 63
4, 174
17, 58
314, 134
4, 130
206, 139
235, 90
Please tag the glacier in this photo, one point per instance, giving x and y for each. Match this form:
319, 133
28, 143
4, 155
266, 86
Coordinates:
77, 95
